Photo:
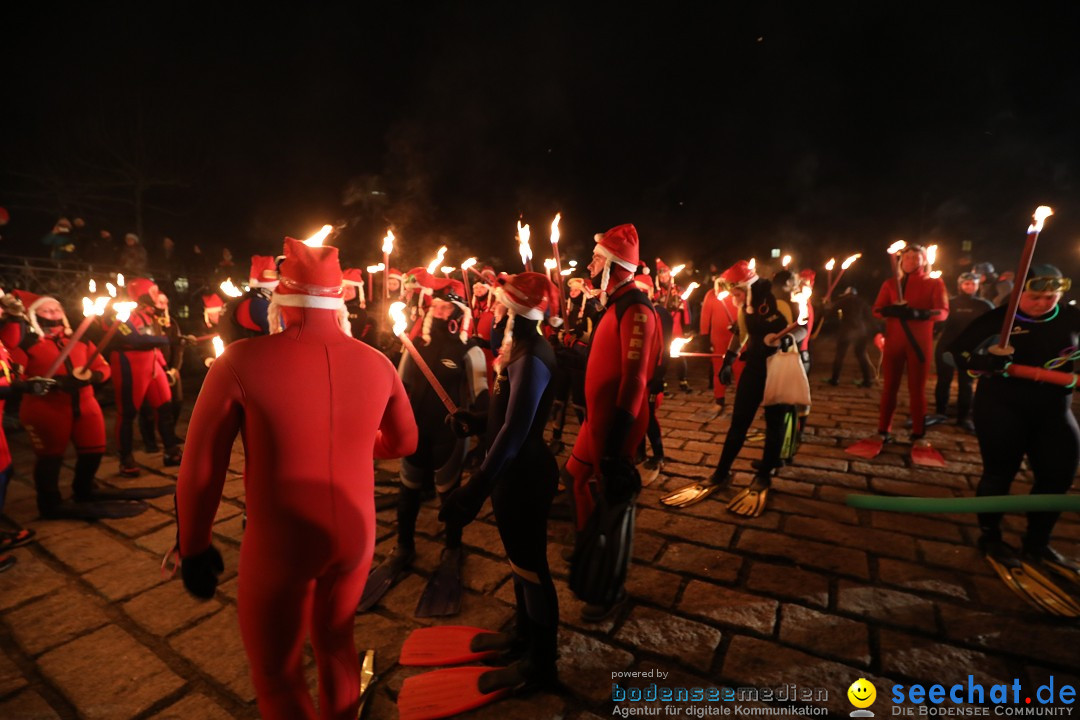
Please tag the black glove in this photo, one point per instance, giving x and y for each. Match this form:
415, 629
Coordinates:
920, 314
465, 423
35, 385
463, 505
200, 572
896, 311
988, 363
727, 370
620, 478
72, 384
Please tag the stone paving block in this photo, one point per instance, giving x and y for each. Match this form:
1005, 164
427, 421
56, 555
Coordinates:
786, 487
215, 647
822, 634
790, 583
823, 478
816, 509
146, 522
684, 641
232, 529
27, 705
965, 558
125, 576
11, 676
167, 608
28, 579
729, 607
887, 606
647, 546
877, 542
653, 586
84, 549
586, 664
919, 577
701, 561
483, 574
916, 525
55, 619
195, 706
684, 527
109, 675
159, 542
842, 560
935, 662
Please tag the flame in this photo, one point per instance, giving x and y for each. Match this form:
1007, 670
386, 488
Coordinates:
931, 254
1041, 213
676, 270
555, 229
120, 279
468, 263
566, 272
523, 242
549, 264
92, 286
802, 299
376, 268
573, 263
229, 289
785, 262
831, 264
752, 265
123, 310
935, 274
896, 247
388, 242
437, 261
851, 261
316, 240
689, 289
397, 314
95, 307
447, 269
219, 347
111, 288
677, 345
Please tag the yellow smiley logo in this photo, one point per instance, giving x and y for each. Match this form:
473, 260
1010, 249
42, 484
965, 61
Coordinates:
862, 693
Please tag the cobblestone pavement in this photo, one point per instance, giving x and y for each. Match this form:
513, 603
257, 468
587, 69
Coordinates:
812, 592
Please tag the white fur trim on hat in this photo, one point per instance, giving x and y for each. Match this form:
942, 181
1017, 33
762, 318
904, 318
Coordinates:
523, 310
308, 301
601, 250
271, 284
31, 314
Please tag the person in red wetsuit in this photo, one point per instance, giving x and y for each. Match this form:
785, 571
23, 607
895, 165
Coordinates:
910, 303
622, 357
719, 321
668, 298
311, 435
69, 414
139, 375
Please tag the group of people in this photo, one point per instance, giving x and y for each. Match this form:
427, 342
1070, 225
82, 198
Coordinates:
463, 393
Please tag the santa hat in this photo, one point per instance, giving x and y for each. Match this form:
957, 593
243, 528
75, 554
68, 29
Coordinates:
662, 267
32, 303
394, 274
742, 276
643, 282
264, 272
619, 245
211, 303
355, 278
586, 288
528, 294
807, 277
310, 277
488, 273
451, 291
138, 287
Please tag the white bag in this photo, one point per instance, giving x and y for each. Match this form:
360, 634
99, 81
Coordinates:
785, 379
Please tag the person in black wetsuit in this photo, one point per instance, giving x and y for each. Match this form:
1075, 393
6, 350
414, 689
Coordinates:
964, 307
520, 473
857, 326
1015, 417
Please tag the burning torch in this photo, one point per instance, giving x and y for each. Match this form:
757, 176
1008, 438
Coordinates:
397, 314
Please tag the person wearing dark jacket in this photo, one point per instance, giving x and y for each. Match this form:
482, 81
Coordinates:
964, 307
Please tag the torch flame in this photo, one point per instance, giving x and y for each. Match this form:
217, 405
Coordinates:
752, 265
523, 242
111, 288
831, 264
573, 263
437, 261
376, 268
802, 299
397, 314
93, 286
931, 254
851, 260
549, 264
1041, 213
677, 345
120, 279
935, 274
447, 269
689, 289
95, 307
676, 270
229, 289
566, 272
468, 263
785, 262
896, 247
219, 346
555, 229
316, 240
123, 310
388, 242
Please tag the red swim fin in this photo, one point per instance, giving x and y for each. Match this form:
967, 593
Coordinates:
444, 693
449, 645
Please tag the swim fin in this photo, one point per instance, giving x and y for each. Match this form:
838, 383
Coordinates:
868, 448
367, 680
751, 501
602, 552
1050, 559
442, 594
450, 691
384, 577
451, 645
923, 454
694, 493
755, 437
1029, 583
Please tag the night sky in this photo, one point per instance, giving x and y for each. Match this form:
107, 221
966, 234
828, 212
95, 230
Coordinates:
822, 129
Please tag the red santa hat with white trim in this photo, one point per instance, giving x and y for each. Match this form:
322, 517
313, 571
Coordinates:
453, 292
138, 287
354, 277
33, 302
740, 275
310, 277
212, 303
528, 295
618, 246
264, 272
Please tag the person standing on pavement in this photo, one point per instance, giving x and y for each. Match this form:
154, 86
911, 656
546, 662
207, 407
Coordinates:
964, 307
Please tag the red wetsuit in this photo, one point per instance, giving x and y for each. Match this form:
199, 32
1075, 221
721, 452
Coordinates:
623, 355
315, 408
58, 418
921, 292
6, 379
719, 320
138, 372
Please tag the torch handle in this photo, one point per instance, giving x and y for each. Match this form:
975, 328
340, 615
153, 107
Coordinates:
1018, 287
1038, 374
465, 281
451, 407
79, 332
386, 276
101, 346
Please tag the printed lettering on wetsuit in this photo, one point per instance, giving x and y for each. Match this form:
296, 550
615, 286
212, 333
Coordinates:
637, 339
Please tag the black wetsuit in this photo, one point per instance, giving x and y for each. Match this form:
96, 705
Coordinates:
1014, 417
962, 310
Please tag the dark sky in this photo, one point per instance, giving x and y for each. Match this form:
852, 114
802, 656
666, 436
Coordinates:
721, 131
